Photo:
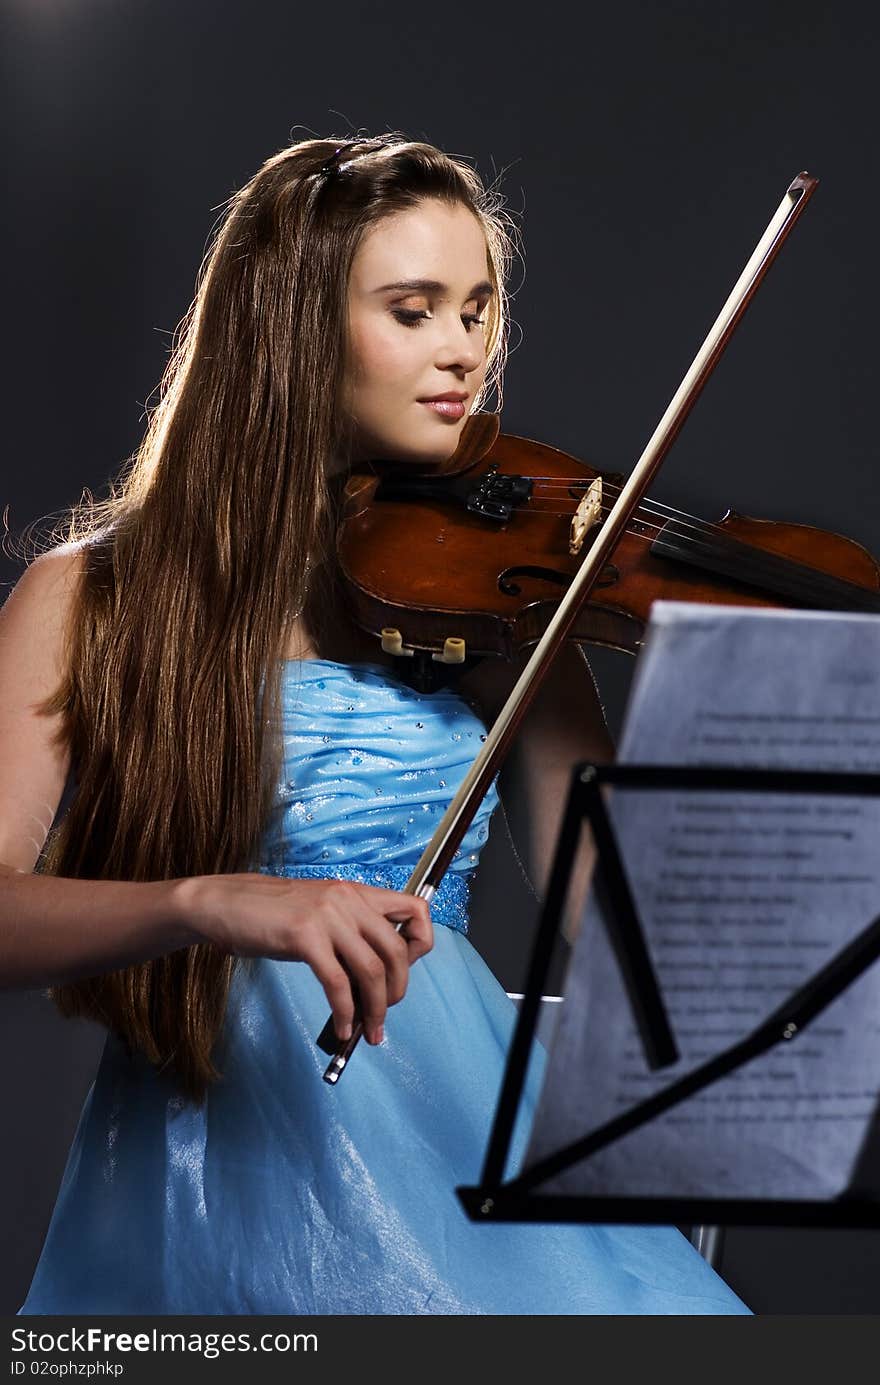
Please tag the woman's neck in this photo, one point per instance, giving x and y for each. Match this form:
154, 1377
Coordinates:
339, 639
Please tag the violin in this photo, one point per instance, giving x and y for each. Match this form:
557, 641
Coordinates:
471, 561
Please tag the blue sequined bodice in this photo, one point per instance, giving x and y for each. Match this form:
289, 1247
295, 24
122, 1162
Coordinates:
370, 767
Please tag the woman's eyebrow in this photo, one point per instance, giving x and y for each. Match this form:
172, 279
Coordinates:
433, 286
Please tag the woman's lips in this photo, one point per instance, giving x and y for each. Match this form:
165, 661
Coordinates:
446, 408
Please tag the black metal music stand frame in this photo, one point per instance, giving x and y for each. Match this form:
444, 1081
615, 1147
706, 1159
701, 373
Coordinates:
493, 1199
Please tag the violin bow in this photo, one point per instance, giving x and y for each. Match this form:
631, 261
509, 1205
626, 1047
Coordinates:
434, 861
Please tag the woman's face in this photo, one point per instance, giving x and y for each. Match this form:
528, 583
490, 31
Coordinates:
418, 292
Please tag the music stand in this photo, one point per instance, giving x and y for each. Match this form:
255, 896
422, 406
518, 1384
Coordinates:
493, 1199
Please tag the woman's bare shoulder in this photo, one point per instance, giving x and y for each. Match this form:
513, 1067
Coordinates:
40, 605
34, 758
47, 587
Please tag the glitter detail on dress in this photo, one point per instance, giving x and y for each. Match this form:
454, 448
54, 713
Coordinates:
449, 905
357, 789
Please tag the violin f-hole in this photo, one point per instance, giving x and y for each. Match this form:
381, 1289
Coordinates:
608, 576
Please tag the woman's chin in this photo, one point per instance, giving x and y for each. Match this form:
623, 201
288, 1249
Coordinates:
432, 453
437, 445
430, 445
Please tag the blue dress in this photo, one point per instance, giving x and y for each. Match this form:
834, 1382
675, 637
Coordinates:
284, 1195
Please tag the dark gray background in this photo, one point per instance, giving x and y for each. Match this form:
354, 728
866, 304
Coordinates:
646, 148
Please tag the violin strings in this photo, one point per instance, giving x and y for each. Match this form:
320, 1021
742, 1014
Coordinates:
771, 571
609, 488
604, 509
650, 507
666, 512
701, 536
758, 567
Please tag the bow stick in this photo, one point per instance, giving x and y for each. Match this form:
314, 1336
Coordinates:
440, 850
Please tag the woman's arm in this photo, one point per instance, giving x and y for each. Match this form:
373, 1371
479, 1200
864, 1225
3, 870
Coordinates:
564, 725
55, 929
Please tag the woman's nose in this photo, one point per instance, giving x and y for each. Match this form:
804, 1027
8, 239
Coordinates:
462, 347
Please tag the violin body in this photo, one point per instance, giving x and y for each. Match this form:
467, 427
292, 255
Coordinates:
417, 557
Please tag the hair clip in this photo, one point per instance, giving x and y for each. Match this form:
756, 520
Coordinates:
331, 165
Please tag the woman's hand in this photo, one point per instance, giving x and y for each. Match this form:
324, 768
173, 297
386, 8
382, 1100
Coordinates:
343, 930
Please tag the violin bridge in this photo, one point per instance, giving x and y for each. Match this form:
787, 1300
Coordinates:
587, 514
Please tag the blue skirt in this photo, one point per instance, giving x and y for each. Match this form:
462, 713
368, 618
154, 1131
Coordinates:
282, 1195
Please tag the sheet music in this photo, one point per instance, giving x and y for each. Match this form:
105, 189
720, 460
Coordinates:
742, 899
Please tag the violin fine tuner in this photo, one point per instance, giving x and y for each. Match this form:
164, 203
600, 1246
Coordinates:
454, 648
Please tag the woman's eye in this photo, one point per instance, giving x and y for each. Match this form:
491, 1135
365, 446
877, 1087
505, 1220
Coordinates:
410, 317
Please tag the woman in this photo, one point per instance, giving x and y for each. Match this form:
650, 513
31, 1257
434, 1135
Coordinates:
254, 782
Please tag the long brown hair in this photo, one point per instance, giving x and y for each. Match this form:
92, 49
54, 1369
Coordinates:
195, 565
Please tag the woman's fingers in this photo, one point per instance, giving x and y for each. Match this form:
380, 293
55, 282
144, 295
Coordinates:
413, 914
391, 946
359, 940
366, 968
378, 956
337, 987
